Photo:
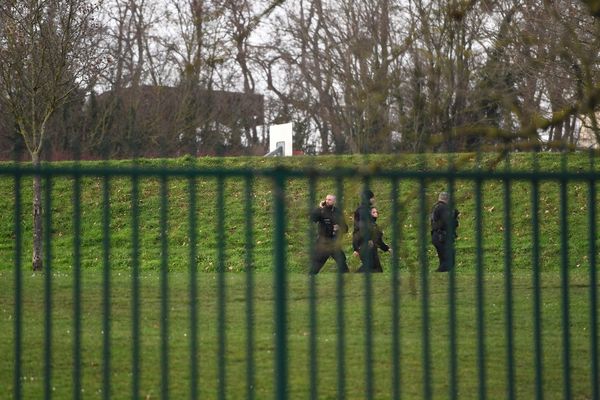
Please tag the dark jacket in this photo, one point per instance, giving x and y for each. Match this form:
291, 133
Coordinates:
443, 219
369, 232
326, 218
361, 211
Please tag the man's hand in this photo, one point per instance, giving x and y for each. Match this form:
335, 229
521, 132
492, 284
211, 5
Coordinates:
355, 254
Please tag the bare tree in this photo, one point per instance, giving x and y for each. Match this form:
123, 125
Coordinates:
136, 60
340, 60
241, 23
296, 53
196, 45
48, 50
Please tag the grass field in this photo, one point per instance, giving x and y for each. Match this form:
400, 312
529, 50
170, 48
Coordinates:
236, 333
298, 205
232, 245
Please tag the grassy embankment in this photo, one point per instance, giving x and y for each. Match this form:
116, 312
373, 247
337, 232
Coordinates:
410, 311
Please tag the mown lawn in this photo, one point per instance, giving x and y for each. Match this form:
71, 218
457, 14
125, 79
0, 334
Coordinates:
353, 289
299, 199
224, 244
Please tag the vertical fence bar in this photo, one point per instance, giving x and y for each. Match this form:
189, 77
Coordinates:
368, 264
135, 288
18, 287
451, 251
594, 376
480, 290
312, 295
106, 364
537, 304
281, 367
164, 288
48, 287
508, 291
364, 216
221, 301
250, 381
77, 287
341, 342
451, 245
193, 273
396, 372
565, 287
423, 212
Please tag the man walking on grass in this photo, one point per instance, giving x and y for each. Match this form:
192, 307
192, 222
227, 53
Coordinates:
330, 228
444, 222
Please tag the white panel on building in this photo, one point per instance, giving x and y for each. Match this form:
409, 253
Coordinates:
281, 135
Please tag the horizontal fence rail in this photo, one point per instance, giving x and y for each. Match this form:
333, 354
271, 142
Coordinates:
195, 282
9, 169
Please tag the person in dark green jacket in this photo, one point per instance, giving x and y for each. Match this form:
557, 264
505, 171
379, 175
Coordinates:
444, 223
330, 229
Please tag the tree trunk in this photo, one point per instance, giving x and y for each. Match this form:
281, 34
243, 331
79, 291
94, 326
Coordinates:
37, 216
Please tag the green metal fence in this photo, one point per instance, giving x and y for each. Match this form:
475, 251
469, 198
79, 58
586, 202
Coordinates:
307, 360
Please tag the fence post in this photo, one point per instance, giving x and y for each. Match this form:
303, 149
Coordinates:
341, 343
18, 287
395, 282
423, 237
536, 269
565, 286
221, 301
250, 380
281, 367
135, 288
77, 287
106, 287
193, 273
508, 295
312, 290
479, 282
48, 287
164, 288
593, 285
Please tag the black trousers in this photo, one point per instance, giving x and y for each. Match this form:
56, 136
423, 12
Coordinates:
445, 249
322, 253
370, 261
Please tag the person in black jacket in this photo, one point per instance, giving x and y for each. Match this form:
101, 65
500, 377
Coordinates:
330, 228
363, 211
366, 242
444, 222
